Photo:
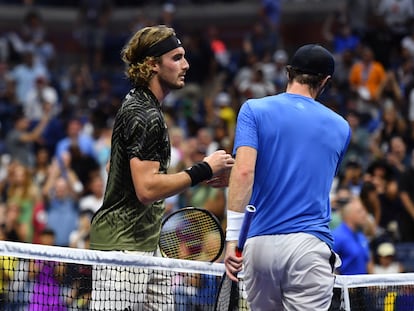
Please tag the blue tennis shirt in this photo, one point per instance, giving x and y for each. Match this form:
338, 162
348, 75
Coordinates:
300, 144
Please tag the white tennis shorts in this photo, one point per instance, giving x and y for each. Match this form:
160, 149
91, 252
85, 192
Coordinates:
288, 272
131, 289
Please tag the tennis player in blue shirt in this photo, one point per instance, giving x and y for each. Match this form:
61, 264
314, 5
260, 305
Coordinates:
288, 148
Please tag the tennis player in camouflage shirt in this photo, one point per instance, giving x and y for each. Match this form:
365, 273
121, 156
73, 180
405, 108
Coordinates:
130, 217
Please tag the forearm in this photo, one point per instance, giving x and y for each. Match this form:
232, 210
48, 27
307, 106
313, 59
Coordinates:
151, 185
161, 186
241, 179
240, 189
38, 130
48, 186
42, 125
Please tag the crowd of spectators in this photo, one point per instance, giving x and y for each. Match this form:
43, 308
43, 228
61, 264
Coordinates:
56, 119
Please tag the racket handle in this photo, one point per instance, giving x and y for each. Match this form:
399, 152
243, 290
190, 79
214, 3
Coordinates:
238, 252
248, 216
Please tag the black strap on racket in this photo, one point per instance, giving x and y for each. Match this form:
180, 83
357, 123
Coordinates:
228, 295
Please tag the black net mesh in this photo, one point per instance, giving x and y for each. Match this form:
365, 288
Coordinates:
35, 277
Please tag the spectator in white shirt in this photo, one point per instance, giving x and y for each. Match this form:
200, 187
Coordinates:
93, 199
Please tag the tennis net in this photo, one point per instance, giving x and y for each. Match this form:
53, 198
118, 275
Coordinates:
39, 277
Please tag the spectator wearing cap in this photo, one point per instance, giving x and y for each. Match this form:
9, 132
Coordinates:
386, 262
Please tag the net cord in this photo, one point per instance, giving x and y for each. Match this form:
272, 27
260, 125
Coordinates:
110, 258
365, 280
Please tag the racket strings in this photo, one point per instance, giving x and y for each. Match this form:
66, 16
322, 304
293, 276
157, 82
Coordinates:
191, 235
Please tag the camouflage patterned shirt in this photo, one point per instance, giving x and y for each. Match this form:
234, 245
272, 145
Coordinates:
123, 222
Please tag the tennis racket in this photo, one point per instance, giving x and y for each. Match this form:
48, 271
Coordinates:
192, 233
228, 294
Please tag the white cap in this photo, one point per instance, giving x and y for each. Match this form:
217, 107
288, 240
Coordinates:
280, 56
386, 249
223, 99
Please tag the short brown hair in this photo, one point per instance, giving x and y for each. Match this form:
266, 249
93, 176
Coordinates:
313, 81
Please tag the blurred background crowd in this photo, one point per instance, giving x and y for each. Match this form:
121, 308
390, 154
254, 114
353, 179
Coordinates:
60, 90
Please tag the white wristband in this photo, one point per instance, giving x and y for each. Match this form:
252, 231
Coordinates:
234, 224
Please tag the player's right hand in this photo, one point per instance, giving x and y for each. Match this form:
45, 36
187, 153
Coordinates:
219, 160
232, 262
